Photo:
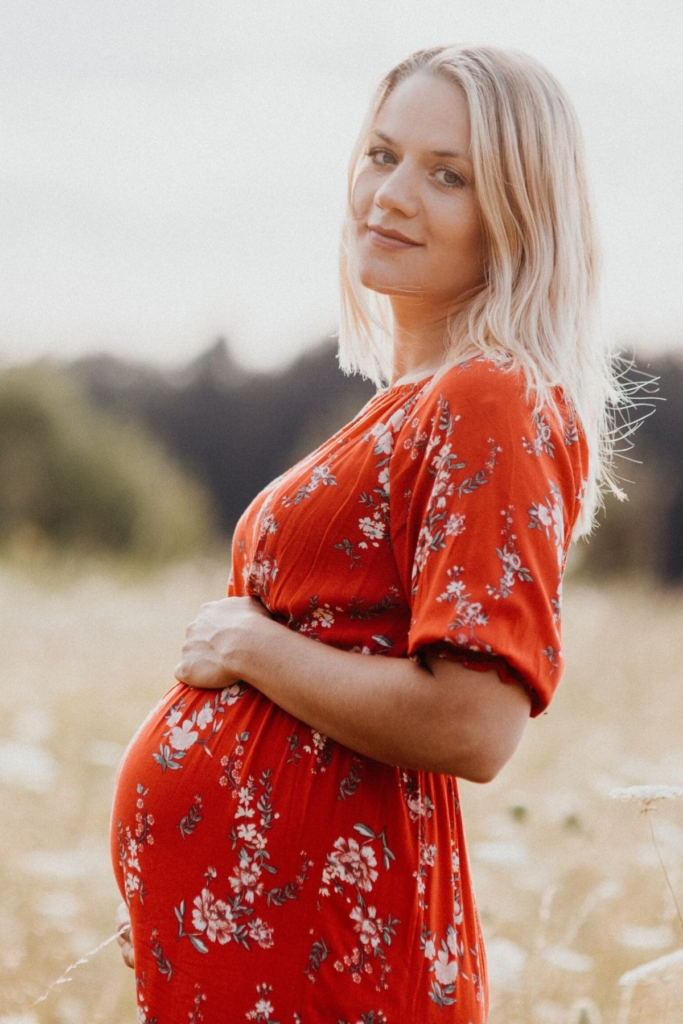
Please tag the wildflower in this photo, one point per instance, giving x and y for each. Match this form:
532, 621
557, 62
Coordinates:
648, 796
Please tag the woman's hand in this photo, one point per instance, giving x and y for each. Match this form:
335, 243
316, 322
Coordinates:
439, 717
219, 640
125, 940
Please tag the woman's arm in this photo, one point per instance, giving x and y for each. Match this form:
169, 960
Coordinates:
441, 717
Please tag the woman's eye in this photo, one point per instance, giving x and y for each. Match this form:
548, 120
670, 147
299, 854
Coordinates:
450, 178
376, 156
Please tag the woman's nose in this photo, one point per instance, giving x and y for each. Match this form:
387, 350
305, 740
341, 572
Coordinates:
398, 192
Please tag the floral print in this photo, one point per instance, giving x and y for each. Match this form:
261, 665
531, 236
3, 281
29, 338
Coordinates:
131, 842
352, 863
272, 874
542, 441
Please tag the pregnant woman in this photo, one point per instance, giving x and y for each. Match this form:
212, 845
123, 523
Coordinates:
286, 829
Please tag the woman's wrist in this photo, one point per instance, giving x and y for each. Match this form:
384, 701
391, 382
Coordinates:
246, 653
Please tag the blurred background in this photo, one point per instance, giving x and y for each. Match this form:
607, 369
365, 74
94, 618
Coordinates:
172, 183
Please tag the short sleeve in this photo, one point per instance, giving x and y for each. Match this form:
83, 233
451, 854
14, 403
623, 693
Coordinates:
485, 491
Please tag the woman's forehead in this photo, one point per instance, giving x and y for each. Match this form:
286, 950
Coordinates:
426, 111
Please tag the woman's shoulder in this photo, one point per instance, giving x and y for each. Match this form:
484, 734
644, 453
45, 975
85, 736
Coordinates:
485, 405
483, 391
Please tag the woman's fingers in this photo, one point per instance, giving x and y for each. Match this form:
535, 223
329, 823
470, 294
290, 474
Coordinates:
125, 939
220, 629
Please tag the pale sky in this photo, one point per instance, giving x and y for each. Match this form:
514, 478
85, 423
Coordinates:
171, 170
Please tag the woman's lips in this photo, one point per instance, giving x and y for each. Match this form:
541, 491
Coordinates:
387, 240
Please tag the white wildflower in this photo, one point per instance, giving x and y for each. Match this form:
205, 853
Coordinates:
648, 796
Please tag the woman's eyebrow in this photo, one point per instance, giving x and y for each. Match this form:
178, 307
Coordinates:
434, 152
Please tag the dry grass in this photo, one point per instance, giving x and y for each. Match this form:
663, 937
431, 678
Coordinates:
570, 889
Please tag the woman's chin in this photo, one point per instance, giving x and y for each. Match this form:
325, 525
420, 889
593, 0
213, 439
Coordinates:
385, 284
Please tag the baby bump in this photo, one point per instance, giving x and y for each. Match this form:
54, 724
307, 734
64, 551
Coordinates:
209, 771
191, 748
250, 847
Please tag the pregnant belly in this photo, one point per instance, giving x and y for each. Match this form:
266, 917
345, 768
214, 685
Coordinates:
251, 849
223, 768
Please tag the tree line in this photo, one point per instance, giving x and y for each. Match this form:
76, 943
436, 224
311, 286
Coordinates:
220, 433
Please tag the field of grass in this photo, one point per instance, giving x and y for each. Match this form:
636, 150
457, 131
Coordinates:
571, 891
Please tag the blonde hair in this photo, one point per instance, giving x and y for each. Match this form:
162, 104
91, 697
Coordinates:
537, 306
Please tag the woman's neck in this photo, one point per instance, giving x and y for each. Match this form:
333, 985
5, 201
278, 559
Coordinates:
420, 342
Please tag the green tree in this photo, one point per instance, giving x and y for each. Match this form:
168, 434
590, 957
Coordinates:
77, 478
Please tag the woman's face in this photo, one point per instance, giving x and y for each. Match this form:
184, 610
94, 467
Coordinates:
416, 181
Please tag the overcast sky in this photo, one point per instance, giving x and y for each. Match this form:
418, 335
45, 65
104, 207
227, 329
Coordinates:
171, 170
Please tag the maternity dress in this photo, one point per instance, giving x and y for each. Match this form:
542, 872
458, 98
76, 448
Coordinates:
276, 876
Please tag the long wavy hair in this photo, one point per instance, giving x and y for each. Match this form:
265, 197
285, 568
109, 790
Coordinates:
537, 305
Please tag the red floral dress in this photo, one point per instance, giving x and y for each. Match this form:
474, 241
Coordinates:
274, 875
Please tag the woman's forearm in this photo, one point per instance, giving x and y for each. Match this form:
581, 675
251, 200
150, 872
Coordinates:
442, 717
